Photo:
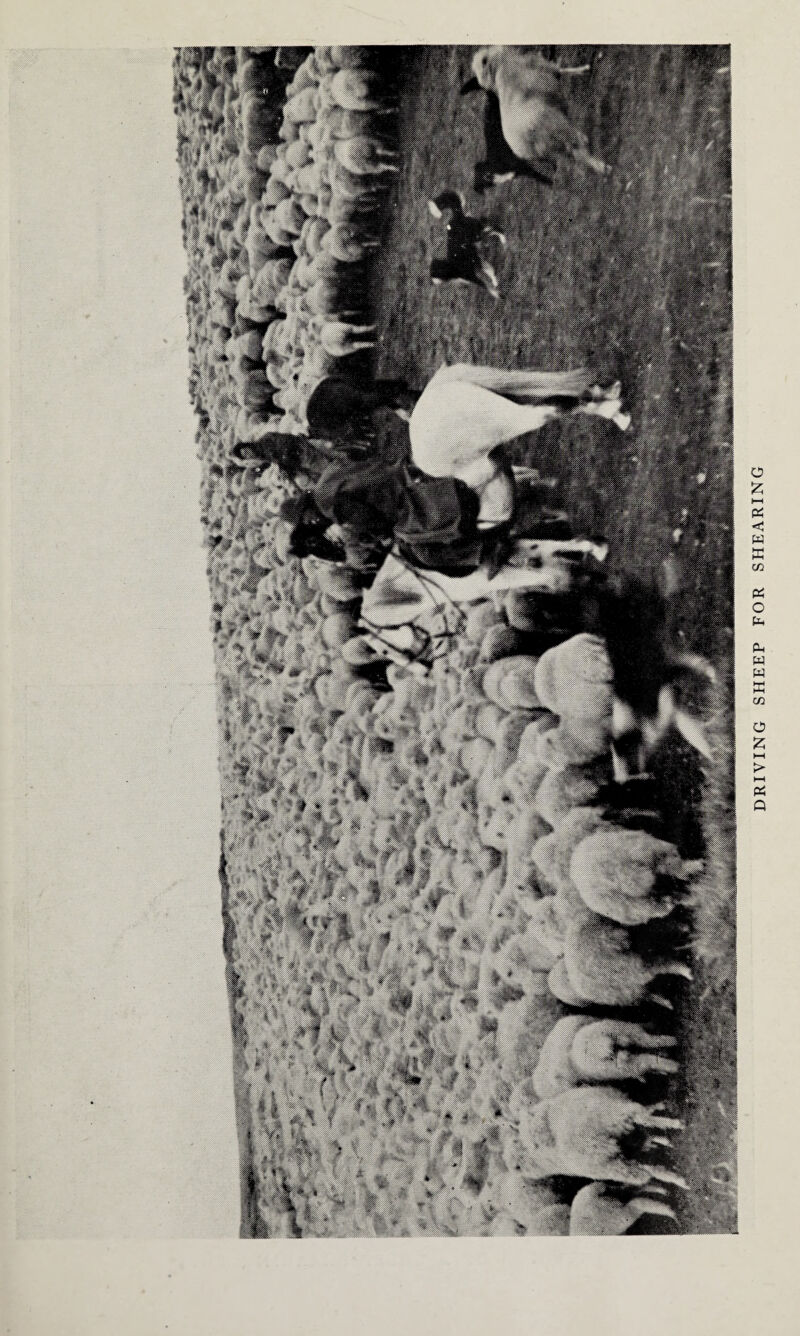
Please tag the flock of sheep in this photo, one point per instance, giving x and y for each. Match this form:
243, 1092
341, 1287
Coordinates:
454, 1006
296, 170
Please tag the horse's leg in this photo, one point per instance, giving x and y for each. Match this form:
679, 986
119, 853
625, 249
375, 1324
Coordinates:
543, 551
606, 403
523, 474
496, 501
549, 578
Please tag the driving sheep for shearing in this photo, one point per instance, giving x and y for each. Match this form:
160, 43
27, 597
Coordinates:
434, 684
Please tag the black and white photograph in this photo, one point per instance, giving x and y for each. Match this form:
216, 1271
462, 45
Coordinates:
397, 788
460, 357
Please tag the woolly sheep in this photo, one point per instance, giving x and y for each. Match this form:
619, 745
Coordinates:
509, 1197
524, 830
327, 268
533, 114
328, 298
601, 1208
521, 1028
358, 651
273, 229
341, 339
575, 742
476, 756
266, 157
257, 122
499, 642
324, 62
481, 617
504, 1226
518, 958
601, 966
247, 345
255, 186
352, 57
553, 853
360, 699
578, 1051
252, 76
305, 76
312, 179
517, 685
488, 720
365, 156
312, 234
528, 750
350, 185
338, 628
281, 171
255, 391
356, 90
510, 682
303, 106
617, 873
289, 217
347, 242
521, 783
302, 273
584, 1133
298, 153
344, 209
575, 678
562, 790
342, 124
318, 363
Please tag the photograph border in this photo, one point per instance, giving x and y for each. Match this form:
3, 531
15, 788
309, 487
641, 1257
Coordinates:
691, 1284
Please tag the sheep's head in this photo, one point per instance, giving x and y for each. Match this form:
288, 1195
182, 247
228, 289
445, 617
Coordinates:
483, 72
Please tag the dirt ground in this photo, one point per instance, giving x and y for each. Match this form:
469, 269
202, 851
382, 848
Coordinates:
631, 275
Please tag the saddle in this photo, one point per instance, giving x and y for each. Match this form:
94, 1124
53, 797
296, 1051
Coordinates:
438, 525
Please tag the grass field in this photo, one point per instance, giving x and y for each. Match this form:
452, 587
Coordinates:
631, 275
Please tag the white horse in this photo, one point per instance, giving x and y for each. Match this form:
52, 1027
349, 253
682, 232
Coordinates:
467, 413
